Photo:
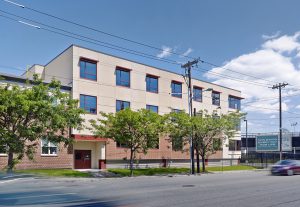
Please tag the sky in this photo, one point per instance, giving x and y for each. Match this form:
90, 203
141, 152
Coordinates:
255, 44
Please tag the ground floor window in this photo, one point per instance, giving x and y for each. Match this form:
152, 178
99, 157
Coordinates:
234, 145
3, 150
48, 148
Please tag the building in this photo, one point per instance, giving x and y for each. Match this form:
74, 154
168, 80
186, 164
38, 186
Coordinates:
48, 155
107, 83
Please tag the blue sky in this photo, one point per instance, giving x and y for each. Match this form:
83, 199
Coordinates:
253, 37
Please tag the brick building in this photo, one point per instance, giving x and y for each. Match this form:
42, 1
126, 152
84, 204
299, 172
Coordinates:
107, 83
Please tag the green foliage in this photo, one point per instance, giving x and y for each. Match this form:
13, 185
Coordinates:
150, 171
138, 130
32, 112
55, 172
208, 130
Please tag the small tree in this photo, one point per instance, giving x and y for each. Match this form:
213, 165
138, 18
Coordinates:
137, 130
208, 131
32, 112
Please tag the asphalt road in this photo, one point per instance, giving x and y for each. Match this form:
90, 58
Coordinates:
236, 189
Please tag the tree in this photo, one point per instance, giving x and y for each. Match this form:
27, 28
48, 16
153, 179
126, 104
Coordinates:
137, 130
208, 131
33, 112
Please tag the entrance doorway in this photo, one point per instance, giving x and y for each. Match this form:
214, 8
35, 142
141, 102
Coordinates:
83, 159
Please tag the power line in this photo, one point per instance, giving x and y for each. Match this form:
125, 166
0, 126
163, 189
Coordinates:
232, 78
91, 40
122, 38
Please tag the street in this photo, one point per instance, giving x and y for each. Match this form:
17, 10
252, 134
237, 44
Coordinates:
228, 189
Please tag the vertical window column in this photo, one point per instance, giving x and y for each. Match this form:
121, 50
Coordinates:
176, 89
123, 77
88, 103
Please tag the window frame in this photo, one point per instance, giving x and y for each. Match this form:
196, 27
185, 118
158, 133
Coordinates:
213, 98
88, 61
198, 88
234, 98
175, 94
49, 146
148, 107
88, 112
121, 101
2, 154
154, 77
118, 68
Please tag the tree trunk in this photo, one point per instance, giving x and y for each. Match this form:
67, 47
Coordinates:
203, 163
198, 161
131, 163
10, 162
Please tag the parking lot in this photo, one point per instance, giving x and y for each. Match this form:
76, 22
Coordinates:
232, 189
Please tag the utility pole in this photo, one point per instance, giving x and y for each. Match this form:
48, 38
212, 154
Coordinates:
245, 120
280, 86
188, 67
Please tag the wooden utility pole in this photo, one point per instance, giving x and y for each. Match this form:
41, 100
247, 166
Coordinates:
280, 86
188, 67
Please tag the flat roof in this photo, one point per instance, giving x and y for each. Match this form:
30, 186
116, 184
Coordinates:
163, 69
19, 79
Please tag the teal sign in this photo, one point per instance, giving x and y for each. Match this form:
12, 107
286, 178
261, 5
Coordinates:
267, 143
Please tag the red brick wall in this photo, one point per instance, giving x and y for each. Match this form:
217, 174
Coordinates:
64, 159
164, 151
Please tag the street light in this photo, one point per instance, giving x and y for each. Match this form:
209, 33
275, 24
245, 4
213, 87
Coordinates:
245, 120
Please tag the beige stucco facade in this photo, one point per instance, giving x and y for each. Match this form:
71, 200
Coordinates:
65, 67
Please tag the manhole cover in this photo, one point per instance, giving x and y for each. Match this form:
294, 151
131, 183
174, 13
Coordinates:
188, 186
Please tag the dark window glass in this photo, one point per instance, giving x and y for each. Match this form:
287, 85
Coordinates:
234, 145
2, 149
197, 94
122, 77
177, 143
88, 69
176, 110
234, 103
176, 89
120, 105
215, 98
48, 148
88, 103
152, 108
152, 84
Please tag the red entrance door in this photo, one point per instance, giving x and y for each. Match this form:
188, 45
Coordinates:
83, 159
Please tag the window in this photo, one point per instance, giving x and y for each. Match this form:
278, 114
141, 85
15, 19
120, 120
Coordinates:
197, 94
234, 102
234, 145
176, 110
88, 69
120, 105
177, 143
152, 108
88, 103
215, 98
176, 89
123, 77
3, 150
48, 148
152, 84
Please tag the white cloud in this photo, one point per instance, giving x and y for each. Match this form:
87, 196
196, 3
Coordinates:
284, 43
297, 107
187, 52
166, 52
269, 63
272, 36
273, 116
